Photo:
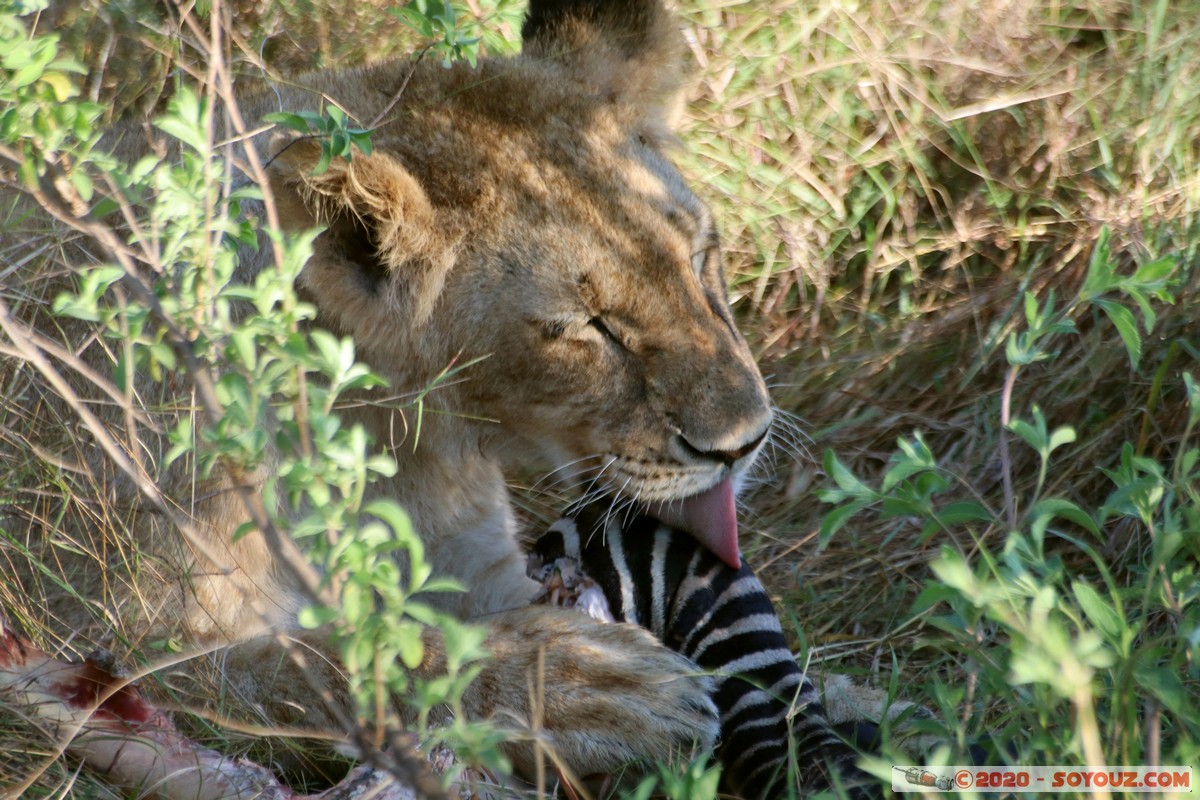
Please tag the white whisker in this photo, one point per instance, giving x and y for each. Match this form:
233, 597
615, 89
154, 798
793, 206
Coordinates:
544, 484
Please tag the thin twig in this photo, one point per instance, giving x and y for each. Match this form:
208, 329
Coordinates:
403, 85
1010, 500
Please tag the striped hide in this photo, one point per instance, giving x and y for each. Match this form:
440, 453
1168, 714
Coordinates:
722, 619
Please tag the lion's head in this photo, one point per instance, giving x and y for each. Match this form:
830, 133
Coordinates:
524, 212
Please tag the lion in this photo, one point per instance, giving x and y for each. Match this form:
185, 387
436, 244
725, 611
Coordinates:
522, 216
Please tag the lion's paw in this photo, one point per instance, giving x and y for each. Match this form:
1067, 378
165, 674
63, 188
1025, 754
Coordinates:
593, 698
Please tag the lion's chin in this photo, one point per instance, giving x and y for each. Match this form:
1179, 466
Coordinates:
710, 517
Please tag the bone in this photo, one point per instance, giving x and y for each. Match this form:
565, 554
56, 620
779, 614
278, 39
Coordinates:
564, 584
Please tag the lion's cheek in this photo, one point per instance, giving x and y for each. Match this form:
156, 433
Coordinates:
603, 418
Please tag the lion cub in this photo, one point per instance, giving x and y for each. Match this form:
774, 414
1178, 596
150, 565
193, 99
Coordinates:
523, 213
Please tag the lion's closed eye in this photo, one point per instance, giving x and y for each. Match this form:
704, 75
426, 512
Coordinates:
552, 328
598, 325
594, 329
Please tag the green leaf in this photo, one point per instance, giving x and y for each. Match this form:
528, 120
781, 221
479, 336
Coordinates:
844, 478
952, 570
186, 120
339, 144
835, 520
329, 349
29, 170
1045, 510
1122, 319
1193, 396
26, 75
415, 20
956, 513
324, 161
25, 7
1100, 613
464, 642
1155, 273
1165, 685
69, 305
1020, 350
389, 512
243, 530
312, 617
905, 469
1100, 274
408, 641
362, 140
83, 185
183, 441
899, 506
1030, 434
443, 584
288, 120
930, 596
358, 603
1032, 317
62, 86
1061, 436
1187, 462
1149, 317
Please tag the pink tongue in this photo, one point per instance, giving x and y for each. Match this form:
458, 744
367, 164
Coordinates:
710, 517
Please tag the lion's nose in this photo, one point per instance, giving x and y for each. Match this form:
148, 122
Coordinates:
727, 456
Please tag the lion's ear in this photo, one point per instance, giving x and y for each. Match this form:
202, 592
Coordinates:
383, 252
628, 50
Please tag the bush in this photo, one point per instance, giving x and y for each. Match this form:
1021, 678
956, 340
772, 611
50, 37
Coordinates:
170, 298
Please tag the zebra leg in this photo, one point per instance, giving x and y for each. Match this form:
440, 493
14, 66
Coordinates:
774, 728
773, 738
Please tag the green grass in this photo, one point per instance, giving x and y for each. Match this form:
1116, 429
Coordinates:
891, 179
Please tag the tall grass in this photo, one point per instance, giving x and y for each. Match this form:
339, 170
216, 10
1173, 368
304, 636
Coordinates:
897, 183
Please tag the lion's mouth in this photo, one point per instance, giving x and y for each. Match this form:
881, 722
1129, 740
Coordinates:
710, 517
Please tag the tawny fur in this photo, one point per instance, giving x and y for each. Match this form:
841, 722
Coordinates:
504, 207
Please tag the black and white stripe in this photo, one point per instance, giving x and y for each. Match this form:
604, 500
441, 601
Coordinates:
773, 727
